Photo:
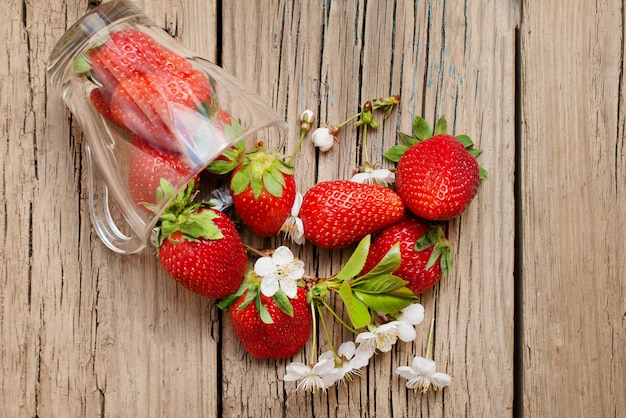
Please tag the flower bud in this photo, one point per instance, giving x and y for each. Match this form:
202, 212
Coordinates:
323, 139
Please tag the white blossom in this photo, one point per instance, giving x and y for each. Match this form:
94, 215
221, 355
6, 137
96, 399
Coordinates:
349, 361
280, 271
382, 339
320, 376
422, 374
293, 225
409, 317
379, 177
221, 198
323, 139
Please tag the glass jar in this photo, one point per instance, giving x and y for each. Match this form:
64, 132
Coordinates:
153, 114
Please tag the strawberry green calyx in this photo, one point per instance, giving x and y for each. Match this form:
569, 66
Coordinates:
261, 170
423, 131
187, 218
251, 288
442, 250
229, 159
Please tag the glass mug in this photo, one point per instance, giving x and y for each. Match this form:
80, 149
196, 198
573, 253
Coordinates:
151, 111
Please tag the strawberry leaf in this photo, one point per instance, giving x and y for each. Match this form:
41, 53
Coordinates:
388, 304
441, 127
256, 185
239, 182
263, 312
421, 128
380, 284
201, 225
284, 167
282, 301
357, 311
274, 181
355, 263
407, 139
387, 265
229, 300
234, 130
483, 173
396, 152
466, 141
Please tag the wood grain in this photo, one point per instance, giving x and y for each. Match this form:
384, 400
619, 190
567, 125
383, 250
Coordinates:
573, 223
538, 86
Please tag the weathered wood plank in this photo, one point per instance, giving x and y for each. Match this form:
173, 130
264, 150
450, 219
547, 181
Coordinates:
573, 209
88, 332
442, 58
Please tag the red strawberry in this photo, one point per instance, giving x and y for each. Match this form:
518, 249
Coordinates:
263, 190
148, 166
101, 101
437, 176
162, 107
336, 214
421, 246
201, 249
283, 337
129, 53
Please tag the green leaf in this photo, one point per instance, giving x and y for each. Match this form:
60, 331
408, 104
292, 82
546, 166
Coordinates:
239, 182
387, 265
483, 173
221, 166
81, 64
380, 284
355, 263
421, 128
256, 185
282, 301
465, 140
284, 167
395, 153
274, 181
441, 127
234, 130
201, 225
388, 304
407, 139
357, 311
263, 312
229, 300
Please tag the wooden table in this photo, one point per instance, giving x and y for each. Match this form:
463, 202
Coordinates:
531, 321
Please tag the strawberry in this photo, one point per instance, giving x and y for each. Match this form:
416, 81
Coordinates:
125, 54
101, 101
264, 329
337, 214
437, 176
161, 106
421, 246
148, 167
201, 249
263, 190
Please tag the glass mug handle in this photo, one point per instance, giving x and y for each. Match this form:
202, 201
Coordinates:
101, 215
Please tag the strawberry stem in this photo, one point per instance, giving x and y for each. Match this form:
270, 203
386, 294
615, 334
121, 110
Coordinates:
314, 340
341, 321
328, 337
430, 337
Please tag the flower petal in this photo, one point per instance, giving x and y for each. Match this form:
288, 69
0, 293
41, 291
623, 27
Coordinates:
282, 256
288, 286
407, 372
361, 178
264, 266
296, 371
439, 380
413, 314
423, 366
269, 285
406, 331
